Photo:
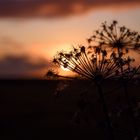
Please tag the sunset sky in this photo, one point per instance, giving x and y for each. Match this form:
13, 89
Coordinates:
32, 31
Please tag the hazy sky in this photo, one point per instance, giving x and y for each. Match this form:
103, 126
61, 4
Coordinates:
32, 31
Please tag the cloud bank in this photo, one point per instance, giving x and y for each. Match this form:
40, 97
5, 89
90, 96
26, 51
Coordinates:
20, 66
56, 8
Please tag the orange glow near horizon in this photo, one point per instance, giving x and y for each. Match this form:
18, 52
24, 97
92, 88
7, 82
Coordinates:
31, 43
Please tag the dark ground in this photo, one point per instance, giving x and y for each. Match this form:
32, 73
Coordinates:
31, 109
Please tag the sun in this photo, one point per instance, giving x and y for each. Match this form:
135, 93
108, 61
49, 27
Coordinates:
66, 72
64, 69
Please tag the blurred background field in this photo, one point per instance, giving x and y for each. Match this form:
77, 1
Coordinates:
35, 108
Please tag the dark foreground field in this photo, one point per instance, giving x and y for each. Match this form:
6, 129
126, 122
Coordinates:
32, 109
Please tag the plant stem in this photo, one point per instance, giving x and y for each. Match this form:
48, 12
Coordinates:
105, 110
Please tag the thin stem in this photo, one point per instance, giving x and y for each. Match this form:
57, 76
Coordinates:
105, 110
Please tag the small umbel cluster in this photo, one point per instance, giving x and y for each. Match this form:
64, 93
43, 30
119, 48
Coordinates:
115, 37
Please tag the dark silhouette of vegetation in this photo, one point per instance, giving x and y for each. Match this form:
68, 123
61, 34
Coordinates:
106, 57
120, 40
125, 80
115, 37
94, 64
51, 74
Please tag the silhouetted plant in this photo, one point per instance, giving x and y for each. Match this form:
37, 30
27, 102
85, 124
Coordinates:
120, 40
126, 79
95, 64
90, 63
104, 58
115, 37
52, 74
62, 84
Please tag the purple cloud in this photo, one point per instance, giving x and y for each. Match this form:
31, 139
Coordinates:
20, 66
55, 8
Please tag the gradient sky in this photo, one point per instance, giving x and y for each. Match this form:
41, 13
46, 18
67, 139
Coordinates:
32, 31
